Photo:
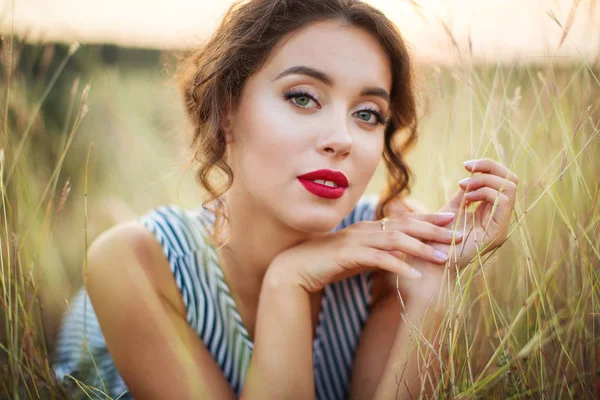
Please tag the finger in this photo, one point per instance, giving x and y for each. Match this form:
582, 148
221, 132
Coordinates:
424, 230
397, 254
439, 219
490, 195
493, 181
396, 240
433, 218
373, 258
487, 165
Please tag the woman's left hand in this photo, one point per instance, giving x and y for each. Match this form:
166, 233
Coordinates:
494, 188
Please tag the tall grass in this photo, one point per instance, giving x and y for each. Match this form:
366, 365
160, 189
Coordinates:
524, 325
85, 146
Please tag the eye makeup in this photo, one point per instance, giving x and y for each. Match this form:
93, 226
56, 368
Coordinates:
291, 94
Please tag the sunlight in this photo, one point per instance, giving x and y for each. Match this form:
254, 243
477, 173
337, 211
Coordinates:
498, 30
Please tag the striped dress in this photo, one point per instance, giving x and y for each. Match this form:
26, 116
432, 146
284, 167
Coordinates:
81, 351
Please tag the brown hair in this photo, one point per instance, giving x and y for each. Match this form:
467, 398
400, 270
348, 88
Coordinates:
212, 78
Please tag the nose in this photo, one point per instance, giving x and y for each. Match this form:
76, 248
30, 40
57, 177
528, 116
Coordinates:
336, 139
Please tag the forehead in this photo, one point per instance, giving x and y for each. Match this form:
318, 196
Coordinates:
350, 55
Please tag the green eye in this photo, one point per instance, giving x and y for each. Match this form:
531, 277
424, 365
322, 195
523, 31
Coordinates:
365, 115
302, 100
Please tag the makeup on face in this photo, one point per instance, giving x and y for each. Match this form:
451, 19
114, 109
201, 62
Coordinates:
327, 80
325, 183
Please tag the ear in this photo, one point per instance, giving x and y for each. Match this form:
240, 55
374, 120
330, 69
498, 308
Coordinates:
226, 125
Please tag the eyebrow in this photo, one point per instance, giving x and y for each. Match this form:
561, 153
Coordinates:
326, 79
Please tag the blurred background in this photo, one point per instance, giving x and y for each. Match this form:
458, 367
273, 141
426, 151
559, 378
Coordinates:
93, 134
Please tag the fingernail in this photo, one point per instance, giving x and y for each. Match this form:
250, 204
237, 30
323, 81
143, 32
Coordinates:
439, 255
464, 181
447, 215
454, 233
469, 163
415, 273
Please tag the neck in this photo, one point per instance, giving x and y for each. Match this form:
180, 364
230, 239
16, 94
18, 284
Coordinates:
253, 238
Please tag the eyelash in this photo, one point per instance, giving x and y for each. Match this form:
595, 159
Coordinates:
290, 94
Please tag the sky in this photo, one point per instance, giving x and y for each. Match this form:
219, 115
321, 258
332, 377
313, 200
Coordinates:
498, 30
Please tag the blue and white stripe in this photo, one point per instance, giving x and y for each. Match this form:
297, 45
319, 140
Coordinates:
210, 310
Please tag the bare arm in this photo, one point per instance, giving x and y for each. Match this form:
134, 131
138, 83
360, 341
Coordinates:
282, 361
413, 365
281, 365
493, 187
154, 349
389, 360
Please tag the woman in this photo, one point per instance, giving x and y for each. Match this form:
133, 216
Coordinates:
296, 101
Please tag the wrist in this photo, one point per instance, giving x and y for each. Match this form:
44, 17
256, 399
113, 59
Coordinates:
280, 285
281, 274
429, 286
455, 254
424, 293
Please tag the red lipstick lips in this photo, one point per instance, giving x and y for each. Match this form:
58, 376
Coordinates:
330, 184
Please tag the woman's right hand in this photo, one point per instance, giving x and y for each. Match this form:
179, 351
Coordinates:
364, 245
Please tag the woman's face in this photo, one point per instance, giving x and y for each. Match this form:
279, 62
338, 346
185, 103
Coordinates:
320, 102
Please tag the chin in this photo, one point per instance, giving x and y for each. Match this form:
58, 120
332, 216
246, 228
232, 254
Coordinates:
315, 219
316, 225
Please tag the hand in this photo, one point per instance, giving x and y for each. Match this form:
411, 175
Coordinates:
494, 187
364, 245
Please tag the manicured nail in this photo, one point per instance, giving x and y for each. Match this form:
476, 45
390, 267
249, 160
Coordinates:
455, 233
464, 181
470, 163
439, 255
415, 273
447, 215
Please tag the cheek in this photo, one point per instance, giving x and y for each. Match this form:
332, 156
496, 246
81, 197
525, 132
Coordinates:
370, 152
271, 131
367, 154
267, 138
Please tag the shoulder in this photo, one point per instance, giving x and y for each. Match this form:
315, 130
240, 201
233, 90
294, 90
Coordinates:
135, 298
179, 231
125, 239
127, 252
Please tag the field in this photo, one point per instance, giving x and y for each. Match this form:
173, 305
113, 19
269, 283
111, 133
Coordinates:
92, 136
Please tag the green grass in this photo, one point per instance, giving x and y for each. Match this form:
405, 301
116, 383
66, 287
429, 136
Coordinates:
86, 146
